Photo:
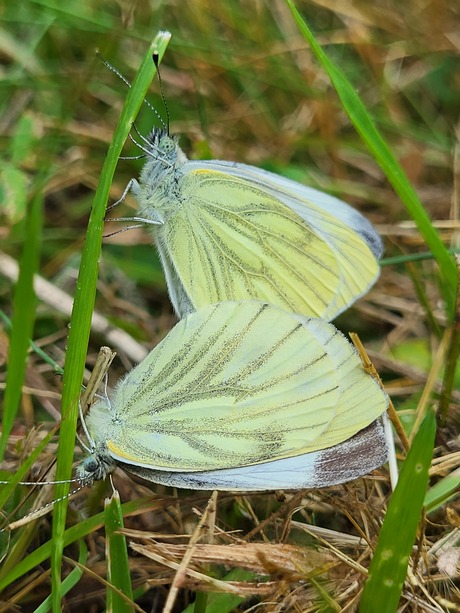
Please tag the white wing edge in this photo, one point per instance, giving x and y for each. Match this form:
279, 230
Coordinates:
344, 462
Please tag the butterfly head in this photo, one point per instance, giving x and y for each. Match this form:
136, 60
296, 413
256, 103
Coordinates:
95, 467
162, 145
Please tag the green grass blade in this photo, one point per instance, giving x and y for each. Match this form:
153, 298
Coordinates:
70, 581
443, 491
33, 346
413, 257
451, 362
201, 602
84, 302
388, 568
20, 544
24, 469
38, 556
224, 603
118, 573
388, 163
23, 317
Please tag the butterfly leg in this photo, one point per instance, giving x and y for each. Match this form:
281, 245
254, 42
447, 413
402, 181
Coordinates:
132, 186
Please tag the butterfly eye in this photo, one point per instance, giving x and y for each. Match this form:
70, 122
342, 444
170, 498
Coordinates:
95, 467
91, 464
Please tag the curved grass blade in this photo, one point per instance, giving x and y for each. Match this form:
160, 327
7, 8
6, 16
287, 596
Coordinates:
84, 302
388, 163
24, 304
70, 581
21, 543
388, 568
33, 347
444, 490
72, 534
118, 573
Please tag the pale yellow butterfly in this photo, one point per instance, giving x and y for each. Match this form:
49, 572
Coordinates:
242, 396
228, 231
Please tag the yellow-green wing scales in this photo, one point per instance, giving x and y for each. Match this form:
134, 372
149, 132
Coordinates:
230, 240
217, 394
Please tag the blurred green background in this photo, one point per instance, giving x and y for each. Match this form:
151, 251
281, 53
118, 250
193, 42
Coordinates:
240, 84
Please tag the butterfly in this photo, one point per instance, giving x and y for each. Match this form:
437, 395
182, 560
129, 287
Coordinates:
242, 396
228, 231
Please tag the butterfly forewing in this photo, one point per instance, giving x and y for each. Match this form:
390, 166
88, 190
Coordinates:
306, 201
231, 240
237, 384
232, 243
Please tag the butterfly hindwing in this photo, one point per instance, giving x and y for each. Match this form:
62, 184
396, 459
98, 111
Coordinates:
344, 462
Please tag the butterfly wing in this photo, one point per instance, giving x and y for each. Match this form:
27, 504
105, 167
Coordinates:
344, 462
234, 238
302, 199
236, 384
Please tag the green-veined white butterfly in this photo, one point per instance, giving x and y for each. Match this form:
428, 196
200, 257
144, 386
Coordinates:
242, 396
228, 231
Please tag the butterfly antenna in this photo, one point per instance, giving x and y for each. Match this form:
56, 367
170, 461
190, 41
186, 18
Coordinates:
126, 82
43, 510
113, 69
75, 480
142, 137
156, 61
